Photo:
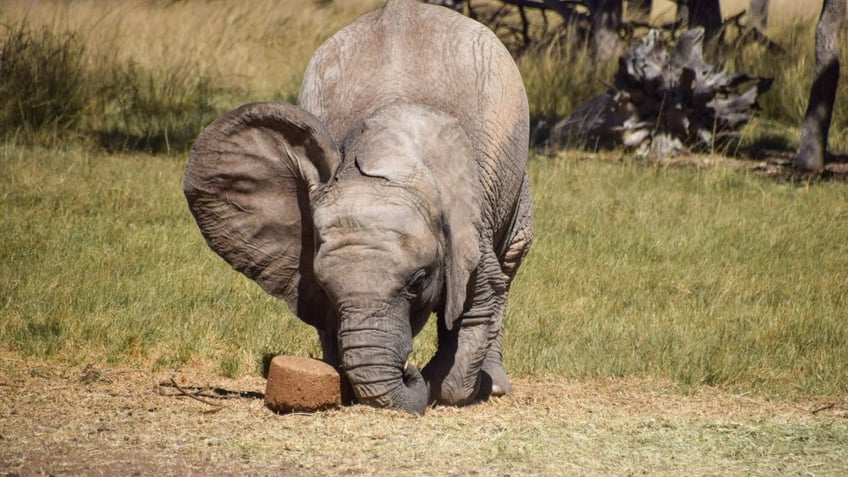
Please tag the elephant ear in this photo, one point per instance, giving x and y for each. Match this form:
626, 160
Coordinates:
458, 180
248, 184
462, 260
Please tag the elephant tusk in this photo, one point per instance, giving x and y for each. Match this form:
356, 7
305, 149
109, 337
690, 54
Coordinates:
407, 363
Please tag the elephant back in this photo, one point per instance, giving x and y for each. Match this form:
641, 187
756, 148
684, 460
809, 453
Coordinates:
426, 54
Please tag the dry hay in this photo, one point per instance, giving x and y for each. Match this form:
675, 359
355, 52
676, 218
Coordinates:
112, 421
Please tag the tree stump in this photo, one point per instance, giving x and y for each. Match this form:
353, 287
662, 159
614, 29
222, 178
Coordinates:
664, 101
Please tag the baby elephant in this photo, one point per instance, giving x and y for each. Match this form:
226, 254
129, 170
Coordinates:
396, 187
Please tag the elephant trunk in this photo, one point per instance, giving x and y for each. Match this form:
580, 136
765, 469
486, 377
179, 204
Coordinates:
373, 350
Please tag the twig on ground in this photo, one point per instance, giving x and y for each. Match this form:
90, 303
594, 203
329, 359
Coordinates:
196, 398
824, 408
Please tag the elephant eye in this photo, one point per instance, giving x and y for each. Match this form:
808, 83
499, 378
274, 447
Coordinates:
417, 281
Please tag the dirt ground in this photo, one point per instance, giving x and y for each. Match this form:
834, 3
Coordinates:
90, 421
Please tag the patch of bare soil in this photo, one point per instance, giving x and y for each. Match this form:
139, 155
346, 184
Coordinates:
89, 421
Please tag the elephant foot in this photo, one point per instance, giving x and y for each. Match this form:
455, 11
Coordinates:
448, 386
493, 382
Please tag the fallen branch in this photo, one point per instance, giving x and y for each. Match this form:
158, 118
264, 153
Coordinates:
183, 392
826, 407
665, 100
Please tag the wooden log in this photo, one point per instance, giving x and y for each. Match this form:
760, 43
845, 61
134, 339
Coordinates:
665, 100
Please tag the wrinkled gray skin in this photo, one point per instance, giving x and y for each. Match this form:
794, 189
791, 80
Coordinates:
397, 187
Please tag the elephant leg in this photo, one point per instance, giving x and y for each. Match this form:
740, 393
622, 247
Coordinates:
469, 362
455, 372
520, 236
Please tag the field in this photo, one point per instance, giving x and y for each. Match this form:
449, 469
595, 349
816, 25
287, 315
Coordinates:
123, 422
676, 318
669, 320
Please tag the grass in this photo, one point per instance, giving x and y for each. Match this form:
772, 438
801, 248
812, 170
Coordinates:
558, 81
702, 276
41, 80
98, 264
144, 75
786, 103
147, 76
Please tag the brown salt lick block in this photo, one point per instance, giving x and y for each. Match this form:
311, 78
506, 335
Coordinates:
298, 384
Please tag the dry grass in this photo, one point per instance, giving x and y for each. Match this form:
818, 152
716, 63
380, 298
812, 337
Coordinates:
259, 46
781, 12
148, 75
117, 421
156, 71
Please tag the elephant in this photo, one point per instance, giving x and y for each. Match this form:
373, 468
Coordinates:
397, 187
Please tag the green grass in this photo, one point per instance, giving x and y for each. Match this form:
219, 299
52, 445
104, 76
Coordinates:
704, 276
53, 89
100, 261
699, 275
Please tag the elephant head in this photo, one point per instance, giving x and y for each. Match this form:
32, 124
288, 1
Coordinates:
362, 241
